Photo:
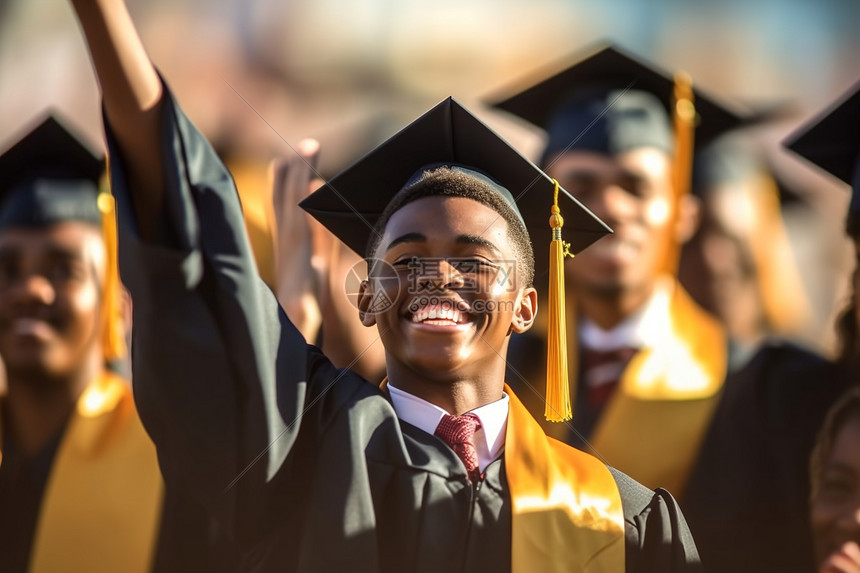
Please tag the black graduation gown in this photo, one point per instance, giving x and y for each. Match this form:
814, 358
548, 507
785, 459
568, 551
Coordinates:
308, 465
747, 500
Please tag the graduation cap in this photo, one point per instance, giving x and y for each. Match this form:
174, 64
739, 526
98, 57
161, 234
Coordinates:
350, 204
832, 142
610, 101
49, 176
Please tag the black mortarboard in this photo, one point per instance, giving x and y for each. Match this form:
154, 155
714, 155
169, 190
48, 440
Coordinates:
610, 102
48, 176
832, 141
351, 202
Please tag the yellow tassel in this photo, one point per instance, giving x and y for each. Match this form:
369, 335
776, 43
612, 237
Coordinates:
684, 119
113, 333
558, 407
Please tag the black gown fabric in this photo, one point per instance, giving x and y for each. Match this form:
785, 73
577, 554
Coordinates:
22, 485
307, 465
747, 498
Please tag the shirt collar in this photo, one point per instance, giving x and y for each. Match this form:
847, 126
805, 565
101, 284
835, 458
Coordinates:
424, 415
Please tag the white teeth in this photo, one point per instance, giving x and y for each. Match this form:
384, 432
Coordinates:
27, 326
438, 313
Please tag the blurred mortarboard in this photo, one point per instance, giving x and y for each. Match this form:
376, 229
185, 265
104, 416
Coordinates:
832, 142
351, 202
49, 176
610, 102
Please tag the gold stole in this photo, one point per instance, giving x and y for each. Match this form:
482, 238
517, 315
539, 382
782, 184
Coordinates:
102, 503
655, 423
566, 508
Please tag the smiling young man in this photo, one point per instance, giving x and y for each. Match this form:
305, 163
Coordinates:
311, 467
651, 363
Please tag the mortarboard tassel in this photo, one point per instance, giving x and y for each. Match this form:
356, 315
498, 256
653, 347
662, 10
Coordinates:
113, 335
684, 120
558, 407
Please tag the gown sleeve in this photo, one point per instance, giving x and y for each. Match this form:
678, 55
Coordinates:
220, 374
657, 537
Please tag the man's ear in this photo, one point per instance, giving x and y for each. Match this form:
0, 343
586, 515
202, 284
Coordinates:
689, 218
365, 297
526, 311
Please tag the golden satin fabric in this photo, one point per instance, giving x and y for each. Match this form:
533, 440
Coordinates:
102, 503
655, 422
566, 509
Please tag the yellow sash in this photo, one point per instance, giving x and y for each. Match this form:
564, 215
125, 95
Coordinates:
566, 509
102, 503
655, 422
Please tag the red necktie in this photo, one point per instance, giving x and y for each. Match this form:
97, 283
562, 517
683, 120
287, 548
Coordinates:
602, 370
457, 432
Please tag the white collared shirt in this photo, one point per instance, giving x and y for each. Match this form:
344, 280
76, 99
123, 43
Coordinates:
489, 439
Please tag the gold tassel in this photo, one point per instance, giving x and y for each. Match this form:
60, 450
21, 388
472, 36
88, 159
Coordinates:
558, 407
684, 119
113, 334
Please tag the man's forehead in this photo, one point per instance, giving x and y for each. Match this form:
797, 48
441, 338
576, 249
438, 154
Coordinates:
71, 236
636, 161
450, 215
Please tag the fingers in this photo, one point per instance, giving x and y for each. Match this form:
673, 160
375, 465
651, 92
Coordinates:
292, 176
846, 560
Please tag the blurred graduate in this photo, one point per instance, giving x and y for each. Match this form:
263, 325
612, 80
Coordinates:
80, 487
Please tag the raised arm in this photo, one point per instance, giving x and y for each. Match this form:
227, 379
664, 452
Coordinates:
132, 94
225, 384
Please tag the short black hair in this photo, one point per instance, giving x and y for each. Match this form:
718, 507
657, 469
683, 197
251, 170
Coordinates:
443, 181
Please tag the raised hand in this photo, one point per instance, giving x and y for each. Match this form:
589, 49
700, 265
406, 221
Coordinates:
297, 281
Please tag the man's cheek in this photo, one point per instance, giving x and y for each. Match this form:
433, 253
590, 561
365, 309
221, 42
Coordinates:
657, 212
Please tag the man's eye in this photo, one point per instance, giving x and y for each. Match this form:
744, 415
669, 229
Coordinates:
404, 262
9, 271
833, 488
473, 265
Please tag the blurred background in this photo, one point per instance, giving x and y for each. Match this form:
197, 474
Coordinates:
257, 75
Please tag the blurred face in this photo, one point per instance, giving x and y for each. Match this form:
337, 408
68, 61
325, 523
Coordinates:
49, 298
452, 285
835, 508
719, 268
632, 193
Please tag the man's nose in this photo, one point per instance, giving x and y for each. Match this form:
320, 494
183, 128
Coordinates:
613, 203
34, 287
440, 274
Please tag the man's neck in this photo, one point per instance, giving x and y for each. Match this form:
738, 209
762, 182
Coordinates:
37, 406
608, 310
456, 396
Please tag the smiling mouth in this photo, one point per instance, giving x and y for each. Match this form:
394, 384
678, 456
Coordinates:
30, 327
440, 313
